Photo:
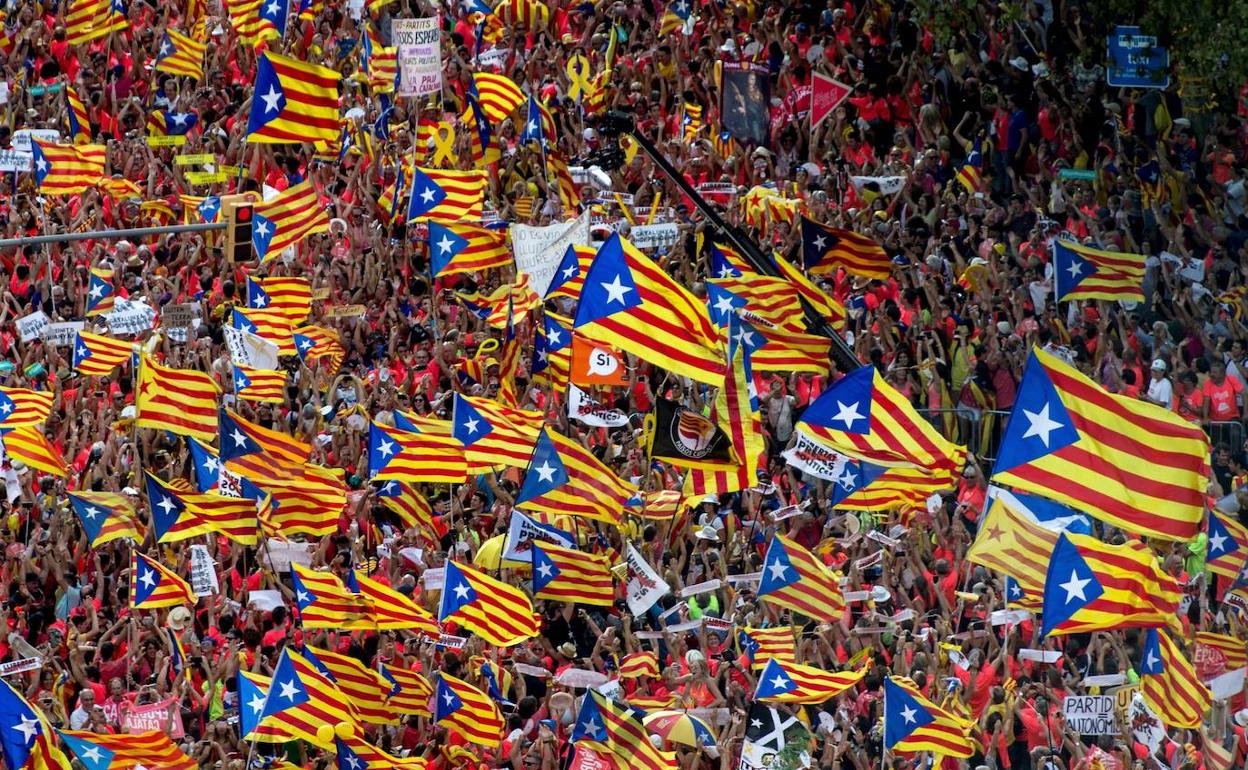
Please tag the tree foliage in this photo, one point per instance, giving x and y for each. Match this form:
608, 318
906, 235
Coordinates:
1206, 38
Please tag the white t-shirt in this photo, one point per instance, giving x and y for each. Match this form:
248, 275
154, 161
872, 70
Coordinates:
1160, 391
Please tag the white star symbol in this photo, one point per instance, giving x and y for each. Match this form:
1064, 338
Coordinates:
848, 413
257, 703
239, 438
428, 195
545, 471
542, 356
1040, 424
262, 227
354, 761
386, 447
83, 352
6, 408
249, 328
1074, 270
180, 117
272, 8
545, 570
289, 690
616, 290
210, 464
148, 580
756, 723
271, 99
778, 570
448, 697
847, 481
166, 48
42, 164
779, 682
726, 271
554, 336
472, 424
28, 727
92, 512
302, 596
243, 383
531, 127
445, 244
1217, 543
1151, 661
390, 487
461, 591
97, 291
821, 243
723, 305
304, 344
908, 714
1074, 587
93, 754
261, 301
166, 505
745, 338
569, 271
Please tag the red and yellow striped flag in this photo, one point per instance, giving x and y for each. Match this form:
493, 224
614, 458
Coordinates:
363, 687
786, 682
294, 102
415, 457
261, 385
324, 602
67, 169
762, 644
181, 401
392, 610
181, 55
79, 122
1169, 683
794, 578
151, 749
409, 691
30, 446
497, 612
464, 709
459, 248
290, 295
21, 407
565, 476
638, 664
153, 585
569, 575
443, 195
287, 219
500, 96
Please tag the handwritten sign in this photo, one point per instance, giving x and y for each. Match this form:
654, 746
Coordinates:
166, 141
63, 333
32, 326
205, 177
345, 311
130, 317
195, 159
203, 572
321, 293
22, 138
1090, 714
420, 55
177, 316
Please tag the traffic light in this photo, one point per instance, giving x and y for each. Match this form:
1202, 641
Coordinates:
238, 246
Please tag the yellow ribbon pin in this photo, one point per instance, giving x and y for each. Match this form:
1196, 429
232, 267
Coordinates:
443, 144
578, 76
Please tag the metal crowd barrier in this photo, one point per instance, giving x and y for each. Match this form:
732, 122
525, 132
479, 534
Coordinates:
978, 429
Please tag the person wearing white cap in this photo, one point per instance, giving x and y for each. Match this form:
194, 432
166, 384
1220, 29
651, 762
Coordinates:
1160, 391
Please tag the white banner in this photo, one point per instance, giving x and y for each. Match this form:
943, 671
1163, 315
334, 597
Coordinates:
587, 410
524, 530
250, 350
33, 326
420, 55
654, 236
809, 457
281, 553
1090, 714
63, 333
130, 317
889, 185
645, 586
495, 57
539, 250
203, 572
15, 160
18, 666
22, 137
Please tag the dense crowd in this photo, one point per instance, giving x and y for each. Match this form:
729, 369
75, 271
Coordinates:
971, 292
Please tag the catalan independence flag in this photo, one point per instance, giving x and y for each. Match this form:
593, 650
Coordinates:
569, 575
1085, 272
181, 55
565, 476
301, 699
101, 751
782, 350
1014, 545
639, 664
794, 578
178, 514
674, 17
101, 294
325, 602
912, 723
253, 449
440, 195
414, 457
30, 446
493, 434
826, 248
456, 248
761, 300
355, 753
261, 385
498, 94
1169, 683
289, 295
789, 682
253, 690
380, 64
1131, 464
628, 301
181, 401
293, 102
363, 687
270, 325
153, 585
970, 175
76, 112
20, 407
762, 644
27, 742
409, 691
500, 614
864, 417
390, 609
570, 274
619, 730
287, 219
466, 710
309, 503
1094, 586
106, 516
67, 169
169, 123
1228, 544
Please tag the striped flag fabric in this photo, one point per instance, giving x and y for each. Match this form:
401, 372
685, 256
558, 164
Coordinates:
827, 307
763, 300
411, 509
864, 417
414, 457
67, 169
355, 753
325, 602
294, 102
493, 434
258, 451
391, 610
178, 514
781, 350
569, 196
569, 575
169, 123
309, 502
253, 689
912, 723
970, 174
101, 751
628, 301
260, 385
314, 343
1169, 683
1230, 650
1217, 755
101, 294
380, 64
118, 189
300, 699
795, 579
639, 664
81, 25
1132, 464
1086, 272
674, 17
619, 730
1095, 586
364, 688
269, 325
691, 121
153, 585
181, 401
181, 54
459, 248
440, 195
1013, 545
76, 113
409, 691
737, 412
106, 516
500, 614
569, 276
28, 743
499, 95
466, 710
289, 295
30, 446
1228, 544
762, 644
787, 682
552, 352
869, 487
287, 219
21, 407
826, 248
563, 475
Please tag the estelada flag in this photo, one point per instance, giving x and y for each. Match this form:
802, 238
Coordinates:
594, 363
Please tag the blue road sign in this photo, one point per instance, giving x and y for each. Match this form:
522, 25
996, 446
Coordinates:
1136, 60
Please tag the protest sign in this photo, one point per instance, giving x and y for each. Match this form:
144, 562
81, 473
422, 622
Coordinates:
33, 326
176, 316
539, 250
162, 716
645, 586
654, 236
23, 136
63, 333
249, 350
419, 44
524, 530
203, 572
585, 409
809, 457
15, 160
1090, 714
130, 317
279, 554
18, 666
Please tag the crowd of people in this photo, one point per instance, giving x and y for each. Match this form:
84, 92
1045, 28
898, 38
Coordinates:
963, 152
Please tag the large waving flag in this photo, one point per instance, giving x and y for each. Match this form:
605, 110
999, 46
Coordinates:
912, 723
390, 609
30, 446
309, 503
101, 751
26, 739
498, 94
270, 326
414, 457
468, 711
787, 682
293, 102
301, 699
258, 451
181, 54
67, 169
1015, 546
20, 407
253, 690
96, 355
570, 275
76, 113
355, 753
619, 730
1228, 544
1094, 586
289, 295
178, 514
325, 602
762, 300
1131, 464
762, 644
181, 401
458, 248
261, 385
826, 248
864, 417
498, 613
153, 585
409, 691
287, 219
106, 516
1169, 683
565, 476
794, 578
411, 509
364, 688
569, 575
628, 301
439, 195
494, 434
1085, 272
